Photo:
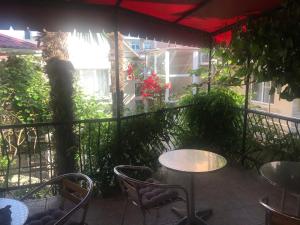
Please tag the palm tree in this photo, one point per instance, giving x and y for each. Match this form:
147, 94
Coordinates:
60, 72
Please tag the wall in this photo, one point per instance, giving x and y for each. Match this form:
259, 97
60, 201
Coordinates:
179, 85
296, 108
280, 106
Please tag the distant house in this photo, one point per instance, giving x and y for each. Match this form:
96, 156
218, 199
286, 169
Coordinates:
262, 99
90, 55
172, 63
92, 61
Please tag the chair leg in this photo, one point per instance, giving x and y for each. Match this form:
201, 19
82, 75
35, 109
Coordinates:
124, 211
283, 197
144, 217
157, 216
298, 206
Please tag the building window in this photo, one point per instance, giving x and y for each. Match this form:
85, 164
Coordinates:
181, 62
155, 63
261, 92
204, 58
94, 82
148, 44
135, 44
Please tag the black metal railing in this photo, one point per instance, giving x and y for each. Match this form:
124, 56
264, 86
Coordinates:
271, 137
28, 151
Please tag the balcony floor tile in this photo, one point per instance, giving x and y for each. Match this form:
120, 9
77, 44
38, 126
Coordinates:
232, 192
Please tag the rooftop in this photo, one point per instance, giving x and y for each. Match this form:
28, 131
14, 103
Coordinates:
15, 43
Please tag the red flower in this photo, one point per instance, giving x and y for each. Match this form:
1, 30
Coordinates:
129, 69
151, 86
244, 28
145, 95
130, 74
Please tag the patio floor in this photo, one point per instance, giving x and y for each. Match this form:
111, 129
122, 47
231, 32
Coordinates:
233, 193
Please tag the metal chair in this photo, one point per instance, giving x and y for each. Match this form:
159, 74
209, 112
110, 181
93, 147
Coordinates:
145, 192
74, 188
277, 217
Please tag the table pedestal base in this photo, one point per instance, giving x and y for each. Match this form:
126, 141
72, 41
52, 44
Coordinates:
197, 219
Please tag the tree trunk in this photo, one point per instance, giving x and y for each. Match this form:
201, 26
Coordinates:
113, 73
60, 73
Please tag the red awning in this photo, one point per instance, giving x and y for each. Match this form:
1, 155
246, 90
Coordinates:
190, 22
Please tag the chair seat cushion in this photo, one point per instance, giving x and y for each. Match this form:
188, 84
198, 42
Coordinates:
49, 217
153, 196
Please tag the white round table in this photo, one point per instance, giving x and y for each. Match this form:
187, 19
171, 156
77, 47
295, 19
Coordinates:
19, 211
192, 161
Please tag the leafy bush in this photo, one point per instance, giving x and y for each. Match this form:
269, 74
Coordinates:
87, 107
139, 142
24, 93
142, 138
213, 118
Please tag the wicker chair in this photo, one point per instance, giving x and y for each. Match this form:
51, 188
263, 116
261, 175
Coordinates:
145, 192
277, 217
72, 196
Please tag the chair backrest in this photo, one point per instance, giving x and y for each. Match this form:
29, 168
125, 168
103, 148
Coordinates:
275, 217
129, 185
71, 191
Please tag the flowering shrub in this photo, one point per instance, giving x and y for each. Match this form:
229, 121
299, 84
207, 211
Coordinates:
151, 86
130, 74
135, 70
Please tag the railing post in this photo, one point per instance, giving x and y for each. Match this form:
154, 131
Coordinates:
245, 121
209, 67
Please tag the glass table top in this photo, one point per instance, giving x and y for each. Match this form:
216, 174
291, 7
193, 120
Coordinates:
19, 211
284, 174
192, 160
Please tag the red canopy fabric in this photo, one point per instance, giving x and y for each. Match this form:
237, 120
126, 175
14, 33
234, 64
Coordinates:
191, 22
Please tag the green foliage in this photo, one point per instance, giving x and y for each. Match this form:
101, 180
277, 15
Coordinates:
227, 72
203, 73
142, 138
267, 141
3, 162
139, 143
24, 93
213, 118
87, 107
269, 49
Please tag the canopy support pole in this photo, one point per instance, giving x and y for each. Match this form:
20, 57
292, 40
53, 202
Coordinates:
117, 75
246, 106
209, 67
167, 77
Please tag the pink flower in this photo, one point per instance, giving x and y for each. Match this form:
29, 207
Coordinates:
168, 86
